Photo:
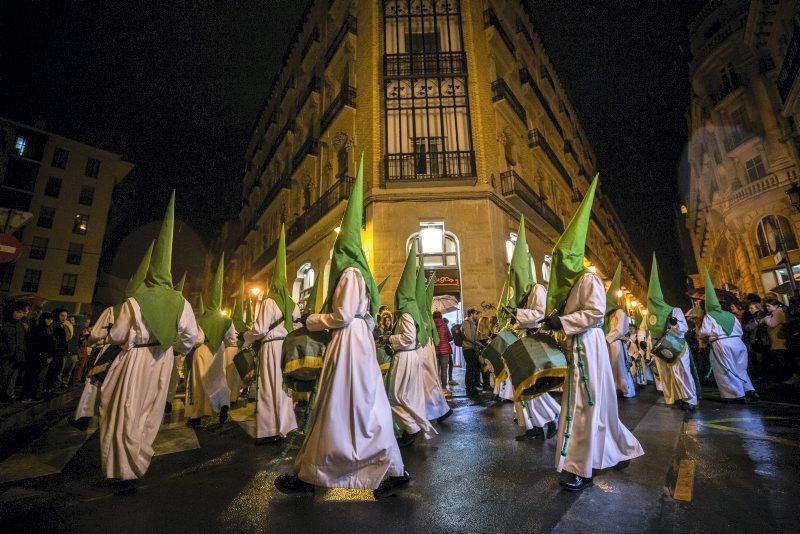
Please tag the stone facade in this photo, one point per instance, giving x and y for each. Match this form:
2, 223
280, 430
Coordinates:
463, 125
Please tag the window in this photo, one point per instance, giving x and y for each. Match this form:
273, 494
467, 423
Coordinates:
75, 253
510, 243
53, 187
80, 224
436, 247
755, 169
305, 280
739, 130
6, 275
19, 145
30, 282
548, 261
46, 216
341, 158
68, 283
92, 168
60, 157
87, 195
38, 248
775, 234
428, 133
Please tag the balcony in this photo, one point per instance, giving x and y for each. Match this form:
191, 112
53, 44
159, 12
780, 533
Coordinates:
314, 86
753, 189
350, 25
430, 166
790, 67
490, 20
424, 64
725, 90
346, 97
525, 77
284, 182
501, 91
537, 140
310, 147
513, 186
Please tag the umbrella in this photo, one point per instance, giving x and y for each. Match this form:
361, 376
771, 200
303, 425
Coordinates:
444, 304
786, 288
722, 294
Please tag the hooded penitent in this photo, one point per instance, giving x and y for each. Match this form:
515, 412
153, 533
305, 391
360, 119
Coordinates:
421, 293
279, 292
311, 301
347, 251
567, 264
213, 322
713, 308
237, 315
160, 304
520, 278
612, 300
138, 277
180, 284
405, 298
657, 308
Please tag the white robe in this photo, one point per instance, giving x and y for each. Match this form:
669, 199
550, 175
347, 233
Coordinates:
135, 391
174, 378
598, 438
543, 409
406, 388
504, 389
619, 323
638, 367
435, 404
232, 374
676, 379
208, 383
647, 357
351, 442
89, 403
728, 358
275, 409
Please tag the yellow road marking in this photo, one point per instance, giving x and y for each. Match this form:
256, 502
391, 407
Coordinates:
343, 495
775, 439
690, 428
685, 482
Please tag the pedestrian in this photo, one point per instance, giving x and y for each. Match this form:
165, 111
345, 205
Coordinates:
590, 433
444, 351
351, 441
12, 350
775, 319
756, 337
471, 347
61, 331
275, 416
386, 324
41, 351
450, 380
485, 335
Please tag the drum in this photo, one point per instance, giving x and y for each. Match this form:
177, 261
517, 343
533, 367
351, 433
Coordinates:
669, 348
493, 354
301, 357
245, 362
536, 365
102, 358
384, 354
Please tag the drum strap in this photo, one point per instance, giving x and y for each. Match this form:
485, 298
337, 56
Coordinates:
151, 344
278, 338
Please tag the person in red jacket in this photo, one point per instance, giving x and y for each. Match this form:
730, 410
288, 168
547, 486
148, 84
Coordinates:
444, 351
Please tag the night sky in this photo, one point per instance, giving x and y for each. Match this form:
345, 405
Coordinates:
176, 87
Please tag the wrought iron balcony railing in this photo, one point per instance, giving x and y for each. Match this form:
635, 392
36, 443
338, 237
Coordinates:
490, 20
430, 166
424, 64
537, 140
501, 91
311, 146
350, 25
346, 97
525, 77
512, 184
790, 66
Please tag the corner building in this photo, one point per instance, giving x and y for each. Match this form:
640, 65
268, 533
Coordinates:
463, 126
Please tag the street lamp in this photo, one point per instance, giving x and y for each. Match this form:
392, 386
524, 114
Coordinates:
256, 291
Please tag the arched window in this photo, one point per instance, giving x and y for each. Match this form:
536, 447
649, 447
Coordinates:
774, 235
306, 276
511, 242
436, 247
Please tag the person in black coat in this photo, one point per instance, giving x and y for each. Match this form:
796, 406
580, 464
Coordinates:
12, 349
41, 349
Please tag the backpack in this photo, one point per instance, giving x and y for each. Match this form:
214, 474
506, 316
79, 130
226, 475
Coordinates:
458, 335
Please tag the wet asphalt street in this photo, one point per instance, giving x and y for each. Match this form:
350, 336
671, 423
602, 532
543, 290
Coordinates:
473, 477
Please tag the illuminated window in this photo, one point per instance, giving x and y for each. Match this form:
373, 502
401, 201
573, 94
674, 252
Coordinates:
774, 235
548, 260
306, 277
80, 224
20, 145
435, 246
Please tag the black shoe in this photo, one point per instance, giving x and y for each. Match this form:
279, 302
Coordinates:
291, 484
168, 407
223, 415
391, 484
552, 430
407, 439
751, 396
81, 424
444, 417
193, 422
531, 433
622, 465
271, 440
575, 483
689, 407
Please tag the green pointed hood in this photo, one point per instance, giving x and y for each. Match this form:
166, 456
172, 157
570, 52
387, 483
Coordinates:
201, 308
213, 322
421, 294
612, 301
657, 308
520, 278
180, 284
726, 319
382, 284
568, 253
405, 297
279, 290
137, 279
311, 301
347, 251
160, 304
237, 314
429, 302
